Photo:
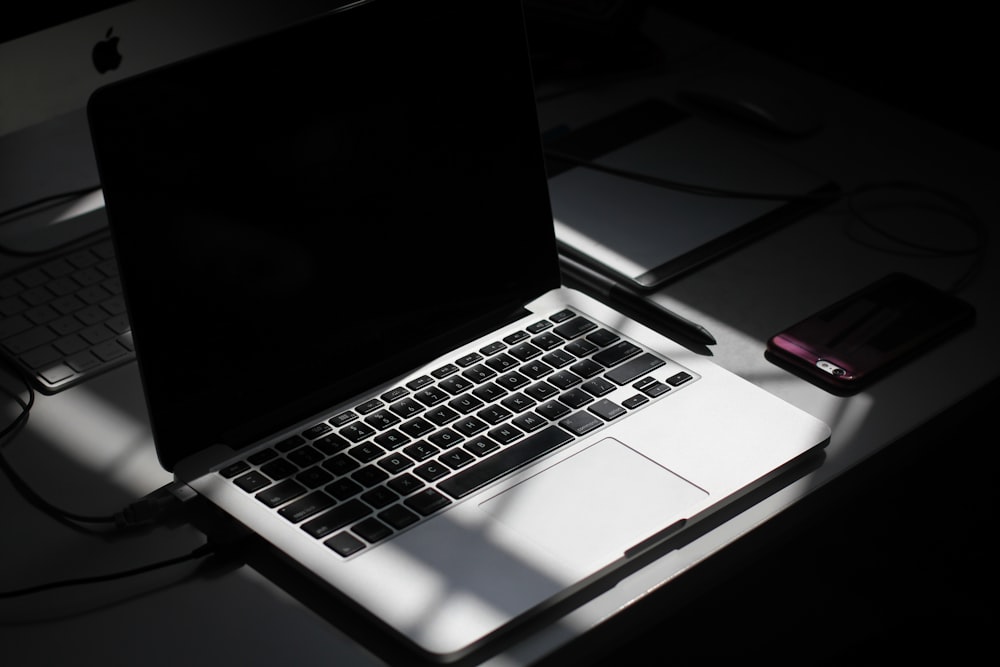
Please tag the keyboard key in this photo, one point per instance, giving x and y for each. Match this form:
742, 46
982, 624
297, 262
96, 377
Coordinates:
307, 506
426, 502
336, 518
345, 544
635, 368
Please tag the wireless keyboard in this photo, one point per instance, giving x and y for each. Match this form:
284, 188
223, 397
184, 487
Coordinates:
63, 319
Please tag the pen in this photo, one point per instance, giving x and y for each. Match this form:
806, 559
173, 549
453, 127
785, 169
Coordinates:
645, 310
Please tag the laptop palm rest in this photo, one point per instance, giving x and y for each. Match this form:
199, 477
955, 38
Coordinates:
592, 507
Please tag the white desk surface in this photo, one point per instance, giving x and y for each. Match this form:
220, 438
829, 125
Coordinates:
89, 447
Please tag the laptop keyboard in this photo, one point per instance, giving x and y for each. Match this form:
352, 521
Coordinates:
63, 321
355, 479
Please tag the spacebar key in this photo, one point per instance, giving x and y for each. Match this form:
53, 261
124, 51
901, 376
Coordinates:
504, 461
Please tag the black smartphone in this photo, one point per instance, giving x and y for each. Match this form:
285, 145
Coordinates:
849, 344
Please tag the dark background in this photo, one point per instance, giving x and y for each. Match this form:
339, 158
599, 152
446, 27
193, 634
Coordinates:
890, 561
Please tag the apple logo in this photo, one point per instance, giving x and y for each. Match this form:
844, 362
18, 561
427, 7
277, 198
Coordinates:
105, 54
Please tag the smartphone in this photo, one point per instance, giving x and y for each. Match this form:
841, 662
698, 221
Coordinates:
849, 344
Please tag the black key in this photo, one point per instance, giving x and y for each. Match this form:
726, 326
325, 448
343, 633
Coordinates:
465, 403
501, 362
445, 438
314, 477
357, 431
515, 337
379, 497
558, 358
420, 382
294, 441
306, 456
279, 469
603, 337
552, 409
580, 347
613, 356
528, 421
311, 433
607, 410
635, 368
479, 373
336, 518
382, 419
252, 481
547, 341
541, 325
391, 439
305, 507
369, 406
405, 484
394, 394
470, 426
369, 476
586, 368
345, 544
504, 461
426, 502
541, 391
417, 427
281, 493
343, 488
260, 457
366, 451
492, 348
431, 471
469, 359
372, 530
456, 458
395, 463
234, 469
575, 327
679, 378
635, 401
576, 398
581, 422
455, 385
562, 315
331, 443
598, 387
406, 407
340, 464
420, 450
398, 516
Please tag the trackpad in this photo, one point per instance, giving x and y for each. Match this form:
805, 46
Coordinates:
590, 508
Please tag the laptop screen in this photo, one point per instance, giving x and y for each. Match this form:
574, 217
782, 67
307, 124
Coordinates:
306, 215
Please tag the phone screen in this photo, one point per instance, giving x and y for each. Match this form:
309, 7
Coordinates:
852, 342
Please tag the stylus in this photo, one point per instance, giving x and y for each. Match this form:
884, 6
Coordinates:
644, 309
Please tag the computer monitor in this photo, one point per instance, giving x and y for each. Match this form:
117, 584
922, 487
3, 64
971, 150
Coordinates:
54, 54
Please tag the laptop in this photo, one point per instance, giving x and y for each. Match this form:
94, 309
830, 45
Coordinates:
337, 251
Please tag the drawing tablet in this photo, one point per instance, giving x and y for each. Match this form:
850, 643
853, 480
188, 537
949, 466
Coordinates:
645, 234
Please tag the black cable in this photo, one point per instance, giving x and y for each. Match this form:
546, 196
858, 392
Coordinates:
53, 199
145, 511
199, 552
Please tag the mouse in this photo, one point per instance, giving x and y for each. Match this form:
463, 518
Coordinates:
752, 100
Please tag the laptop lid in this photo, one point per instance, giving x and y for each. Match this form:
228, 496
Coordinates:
306, 215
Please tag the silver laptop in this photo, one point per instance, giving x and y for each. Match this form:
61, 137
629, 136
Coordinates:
338, 255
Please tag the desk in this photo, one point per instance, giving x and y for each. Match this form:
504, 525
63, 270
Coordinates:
90, 448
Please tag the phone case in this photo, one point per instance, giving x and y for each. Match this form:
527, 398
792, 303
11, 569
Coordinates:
847, 345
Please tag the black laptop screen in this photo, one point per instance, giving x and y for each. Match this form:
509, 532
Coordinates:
318, 210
